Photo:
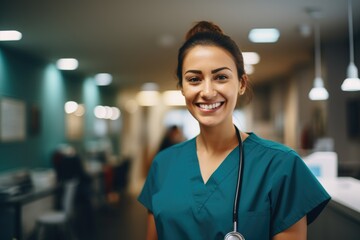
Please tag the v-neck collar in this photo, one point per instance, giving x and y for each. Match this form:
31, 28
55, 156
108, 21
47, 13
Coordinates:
203, 191
225, 167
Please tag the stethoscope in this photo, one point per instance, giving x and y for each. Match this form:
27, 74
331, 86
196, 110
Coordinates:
235, 235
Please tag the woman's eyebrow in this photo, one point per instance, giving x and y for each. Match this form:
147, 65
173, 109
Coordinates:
193, 71
212, 71
219, 69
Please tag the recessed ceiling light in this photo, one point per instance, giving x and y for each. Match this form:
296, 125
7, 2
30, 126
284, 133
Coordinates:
103, 79
264, 35
10, 35
67, 64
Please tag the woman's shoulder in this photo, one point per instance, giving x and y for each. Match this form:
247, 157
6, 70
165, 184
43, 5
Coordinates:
176, 151
254, 139
272, 149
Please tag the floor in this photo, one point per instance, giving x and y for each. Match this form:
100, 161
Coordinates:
121, 217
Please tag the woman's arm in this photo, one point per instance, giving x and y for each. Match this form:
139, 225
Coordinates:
151, 229
298, 231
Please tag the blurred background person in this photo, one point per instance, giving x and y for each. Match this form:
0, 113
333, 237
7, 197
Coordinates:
173, 135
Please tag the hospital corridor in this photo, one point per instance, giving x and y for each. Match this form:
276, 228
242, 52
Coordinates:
180, 120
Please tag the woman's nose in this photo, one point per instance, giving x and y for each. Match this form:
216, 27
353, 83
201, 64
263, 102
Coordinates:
208, 91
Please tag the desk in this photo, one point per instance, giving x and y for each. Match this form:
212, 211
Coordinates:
18, 202
341, 218
345, 191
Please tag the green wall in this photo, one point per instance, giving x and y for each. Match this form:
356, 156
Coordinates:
40, 85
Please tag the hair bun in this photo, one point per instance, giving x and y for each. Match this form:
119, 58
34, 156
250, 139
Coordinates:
203, 26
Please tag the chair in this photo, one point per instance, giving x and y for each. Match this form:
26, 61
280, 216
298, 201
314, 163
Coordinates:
59, 220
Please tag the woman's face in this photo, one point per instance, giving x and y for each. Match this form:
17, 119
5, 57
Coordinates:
210, 84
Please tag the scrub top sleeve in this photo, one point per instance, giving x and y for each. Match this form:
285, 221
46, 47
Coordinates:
295, 193
149, 188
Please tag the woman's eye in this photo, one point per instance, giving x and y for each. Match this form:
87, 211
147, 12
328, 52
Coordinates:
192, 79
221, 77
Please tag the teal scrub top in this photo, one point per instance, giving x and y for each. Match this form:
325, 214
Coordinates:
278, 190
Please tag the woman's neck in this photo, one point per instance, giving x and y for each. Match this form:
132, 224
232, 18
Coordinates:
217, 139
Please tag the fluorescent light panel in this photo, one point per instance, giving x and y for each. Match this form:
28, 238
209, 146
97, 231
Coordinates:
10, 35
264, 35
67, 64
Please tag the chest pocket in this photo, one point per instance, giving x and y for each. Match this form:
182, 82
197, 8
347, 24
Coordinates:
255, 225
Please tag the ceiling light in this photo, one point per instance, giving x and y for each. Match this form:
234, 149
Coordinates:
70, 107
107, 112
264, 35
318, 92
80, 111
251, 58
10, 35
115, 113
100, 111
103, 79
67, 64
352, 82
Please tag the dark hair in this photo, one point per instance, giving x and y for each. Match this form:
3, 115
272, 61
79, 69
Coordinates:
209, 34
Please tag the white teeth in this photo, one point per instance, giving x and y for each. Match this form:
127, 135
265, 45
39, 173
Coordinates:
210, 106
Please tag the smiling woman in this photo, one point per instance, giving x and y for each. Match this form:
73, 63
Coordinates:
225, 183
210, 84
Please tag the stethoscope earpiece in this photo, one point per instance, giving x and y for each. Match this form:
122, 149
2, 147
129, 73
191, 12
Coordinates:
234, 236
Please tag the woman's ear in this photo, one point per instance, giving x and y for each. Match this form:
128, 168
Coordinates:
243, 82
180, 87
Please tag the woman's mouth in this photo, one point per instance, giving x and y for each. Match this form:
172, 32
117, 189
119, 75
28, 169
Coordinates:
209, 106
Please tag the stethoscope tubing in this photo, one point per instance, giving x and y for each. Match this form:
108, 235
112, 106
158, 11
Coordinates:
239, 182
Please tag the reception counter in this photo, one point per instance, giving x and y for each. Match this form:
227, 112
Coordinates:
341, 218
